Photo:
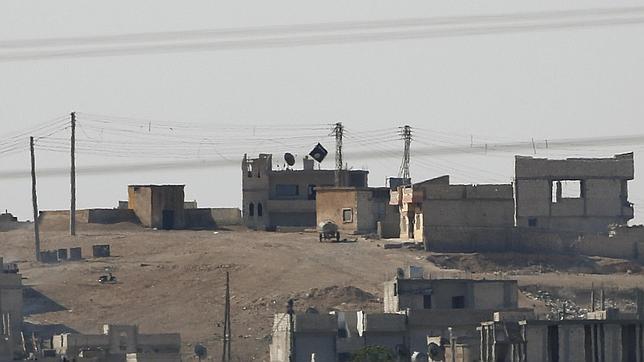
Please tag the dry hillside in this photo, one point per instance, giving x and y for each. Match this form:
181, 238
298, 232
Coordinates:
173, 281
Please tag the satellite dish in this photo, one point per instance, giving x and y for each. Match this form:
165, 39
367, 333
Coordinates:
289, 158
201, 351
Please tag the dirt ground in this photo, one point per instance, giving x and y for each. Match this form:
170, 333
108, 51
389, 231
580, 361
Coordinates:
173, 281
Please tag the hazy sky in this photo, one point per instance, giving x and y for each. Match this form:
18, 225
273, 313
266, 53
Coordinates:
542, 85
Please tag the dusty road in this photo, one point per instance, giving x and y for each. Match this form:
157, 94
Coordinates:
173, 281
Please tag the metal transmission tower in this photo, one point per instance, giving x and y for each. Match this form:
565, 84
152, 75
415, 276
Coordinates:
338, 131
405, 133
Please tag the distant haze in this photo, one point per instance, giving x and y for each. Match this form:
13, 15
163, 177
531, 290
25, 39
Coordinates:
555, 84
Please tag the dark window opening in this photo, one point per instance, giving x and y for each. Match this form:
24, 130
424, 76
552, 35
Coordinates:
260, 210
310, 191
287, 190
553, 343
249, 170
395, 289
427, 301
567, 189
251, 209
347, 215
532, 222
458, 302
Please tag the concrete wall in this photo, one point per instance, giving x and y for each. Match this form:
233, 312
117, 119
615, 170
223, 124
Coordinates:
602, 201
11, 301
314, 333
467, 217
211, 218
60, 218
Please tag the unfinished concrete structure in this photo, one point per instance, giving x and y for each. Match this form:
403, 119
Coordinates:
455, 217
286, 198
358, 210
575, 194
158, 206
119, 343
603, 336
11, 303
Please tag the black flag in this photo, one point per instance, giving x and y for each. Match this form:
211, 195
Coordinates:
318, 153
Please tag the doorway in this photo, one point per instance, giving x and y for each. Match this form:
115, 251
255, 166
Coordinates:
168, 219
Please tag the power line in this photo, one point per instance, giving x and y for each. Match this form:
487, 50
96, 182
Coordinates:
514, 23
312, 28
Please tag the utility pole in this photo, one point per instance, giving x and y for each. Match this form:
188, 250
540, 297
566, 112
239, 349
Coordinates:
225, 357
291, 330
72, 178
338, 131
34, 198
405, 133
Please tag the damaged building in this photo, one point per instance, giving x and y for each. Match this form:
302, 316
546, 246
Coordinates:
358, 210
118, 343
286, 197
575, 194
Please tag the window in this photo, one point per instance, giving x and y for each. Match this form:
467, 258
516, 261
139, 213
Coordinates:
427, 301
347, 215
310, 191
395, 289
251, 209
287, 190
532, 222
458, 302
567, 189
260, 210
249, 170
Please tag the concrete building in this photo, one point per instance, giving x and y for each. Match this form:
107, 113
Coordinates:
575, 194
158, 206
306, 335
286, 198
11, 303
358, 210
455, 217
604, 336
414, 308
449, 294
119, 343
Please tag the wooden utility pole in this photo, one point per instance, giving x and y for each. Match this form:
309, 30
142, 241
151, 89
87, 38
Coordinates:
34, 199
291, 330
72, 178
225, 357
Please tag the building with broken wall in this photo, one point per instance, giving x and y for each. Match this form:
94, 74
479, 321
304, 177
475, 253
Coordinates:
358, 210
286, 198
119, 343
575, 194
605, 335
